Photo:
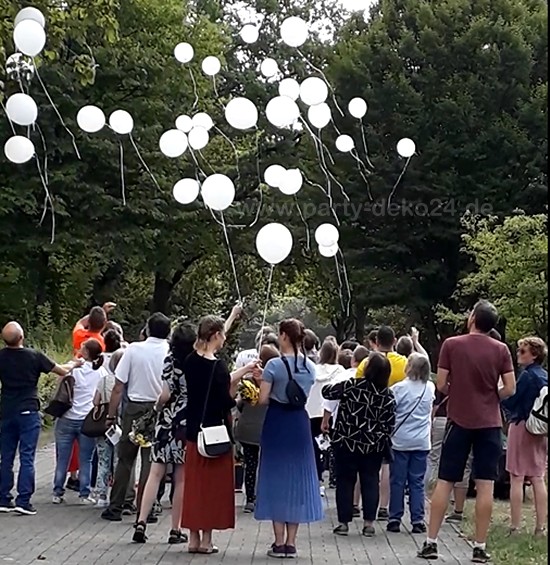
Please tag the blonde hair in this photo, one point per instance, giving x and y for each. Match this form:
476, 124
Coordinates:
536, 346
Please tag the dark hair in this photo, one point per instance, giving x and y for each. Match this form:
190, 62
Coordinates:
112, 341
261, 333
404, 345
158, 325
270, 339
115, 360
485, 316
296, 333
378, 370
360, 353
385, 337
97, 319
328, 354
344, 358
311, 341
495, 335
94, 349
268, 352
372, 335
350, 344
182, 341
209, 326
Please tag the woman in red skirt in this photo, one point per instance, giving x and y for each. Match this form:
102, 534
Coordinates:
209, 498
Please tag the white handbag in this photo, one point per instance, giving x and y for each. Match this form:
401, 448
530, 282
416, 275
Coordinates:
212, 441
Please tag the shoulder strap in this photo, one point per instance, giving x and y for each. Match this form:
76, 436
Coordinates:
412, 411
208, 393
285, 362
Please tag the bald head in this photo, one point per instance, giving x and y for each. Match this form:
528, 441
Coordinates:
13, 335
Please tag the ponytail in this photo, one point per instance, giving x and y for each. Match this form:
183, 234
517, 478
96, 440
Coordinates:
296, 332
94, 349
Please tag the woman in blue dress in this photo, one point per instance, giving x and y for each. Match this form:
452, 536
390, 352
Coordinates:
288, 487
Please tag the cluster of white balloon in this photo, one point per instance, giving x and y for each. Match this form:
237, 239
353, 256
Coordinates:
190, 132
29, 37
91, 119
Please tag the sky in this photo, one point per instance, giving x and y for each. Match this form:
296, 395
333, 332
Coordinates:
359, 5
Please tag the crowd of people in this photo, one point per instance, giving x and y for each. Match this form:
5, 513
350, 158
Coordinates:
385, 427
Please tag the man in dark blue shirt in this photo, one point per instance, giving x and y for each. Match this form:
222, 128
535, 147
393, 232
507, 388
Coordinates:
20, 370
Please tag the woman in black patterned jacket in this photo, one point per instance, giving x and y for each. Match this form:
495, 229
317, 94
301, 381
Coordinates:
361, 439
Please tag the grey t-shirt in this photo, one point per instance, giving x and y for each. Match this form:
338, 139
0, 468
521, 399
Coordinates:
276, 373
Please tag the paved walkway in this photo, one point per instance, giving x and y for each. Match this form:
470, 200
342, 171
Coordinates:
75, 535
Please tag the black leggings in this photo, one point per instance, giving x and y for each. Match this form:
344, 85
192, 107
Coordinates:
251, 455
315, 432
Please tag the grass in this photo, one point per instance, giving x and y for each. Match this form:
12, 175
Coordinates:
522, 549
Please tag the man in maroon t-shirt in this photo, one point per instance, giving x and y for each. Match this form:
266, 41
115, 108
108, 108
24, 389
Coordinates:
470, 369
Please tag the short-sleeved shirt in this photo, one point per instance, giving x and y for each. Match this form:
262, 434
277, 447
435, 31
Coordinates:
397, 362
20, 370
174, 412
475, 363
275, 372
80, 335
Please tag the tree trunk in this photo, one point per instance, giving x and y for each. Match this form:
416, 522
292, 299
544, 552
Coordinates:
161, 295
360, 320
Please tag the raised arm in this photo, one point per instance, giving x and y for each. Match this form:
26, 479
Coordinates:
235, 313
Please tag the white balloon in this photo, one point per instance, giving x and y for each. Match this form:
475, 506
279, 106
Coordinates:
329, 251
357, 108
294, 31
344, 143
406, 147
291, 182
203, 120
184, 123
274, 243
218, 192
90, 119
19, 149
29, 37
184, 52
30, 13
290, 88
282, 111
241, 113
269, 68
211, 66
121, 122
327, 235
186, 191
319, 115
313, 91
21, 109
274, 175
250, 33
173, 143
198, 138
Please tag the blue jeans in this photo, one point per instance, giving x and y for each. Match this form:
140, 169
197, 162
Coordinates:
20, 431
66, 432
408, 468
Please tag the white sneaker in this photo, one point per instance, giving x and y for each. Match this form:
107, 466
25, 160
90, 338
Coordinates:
322, 491
102, 503
57, 500
88, 501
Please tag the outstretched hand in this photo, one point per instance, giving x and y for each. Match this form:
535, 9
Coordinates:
108, 307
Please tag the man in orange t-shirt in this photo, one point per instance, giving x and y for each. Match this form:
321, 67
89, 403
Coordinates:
91, 326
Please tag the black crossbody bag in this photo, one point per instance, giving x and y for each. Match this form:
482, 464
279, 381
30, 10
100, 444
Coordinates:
294, 392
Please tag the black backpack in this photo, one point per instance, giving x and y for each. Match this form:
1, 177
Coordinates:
294, 392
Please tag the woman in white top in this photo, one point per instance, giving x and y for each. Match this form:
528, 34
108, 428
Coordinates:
326, 372
69, 427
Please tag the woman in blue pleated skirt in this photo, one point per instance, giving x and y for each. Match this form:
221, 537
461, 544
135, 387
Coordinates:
288, 487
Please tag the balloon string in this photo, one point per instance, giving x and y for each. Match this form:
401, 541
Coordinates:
340, 282
308, 240
142, 161
324, 148
231, 258
73, 139
44, 147
195, 92
267, 295
197, 165
47, 199
317, 69
8, 118
234, 147
398, 181
365, 146
346, 279
122, 183
206, 161
354, 154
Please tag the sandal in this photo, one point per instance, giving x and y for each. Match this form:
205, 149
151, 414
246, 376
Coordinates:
139, 533
177, 537
208, 550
